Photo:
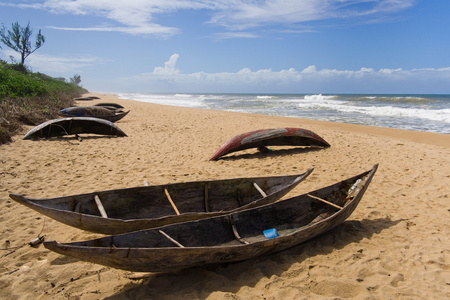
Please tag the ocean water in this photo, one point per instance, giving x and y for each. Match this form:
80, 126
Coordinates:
413, 112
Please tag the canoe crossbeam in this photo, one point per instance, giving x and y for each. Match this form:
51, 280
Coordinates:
77, 208
100, 206
235, 232
325, 201
171, 239
259, 190
171, 202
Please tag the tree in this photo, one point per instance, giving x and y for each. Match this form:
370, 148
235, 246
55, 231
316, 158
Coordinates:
18, 39
75, 79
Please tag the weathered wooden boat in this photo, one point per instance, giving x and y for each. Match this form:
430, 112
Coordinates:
110, 105
233, 237
93, 112
116, 108
131, 209
270, 137
76, 125
86, 98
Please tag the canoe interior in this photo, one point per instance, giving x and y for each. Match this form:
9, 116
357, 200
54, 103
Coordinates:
189, 197
286, 216
227, 238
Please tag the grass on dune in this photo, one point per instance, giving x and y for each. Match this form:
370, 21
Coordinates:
30, 98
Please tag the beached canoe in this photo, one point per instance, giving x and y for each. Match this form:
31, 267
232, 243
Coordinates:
86, 98
110, 105
233, 237
93, 112
116, 108
137, 208
77, 125
270, 137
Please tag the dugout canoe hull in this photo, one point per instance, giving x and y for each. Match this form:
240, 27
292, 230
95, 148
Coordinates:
93, 112
270, 137
136, 208
233, 237
76, 125
86, 98
110, 105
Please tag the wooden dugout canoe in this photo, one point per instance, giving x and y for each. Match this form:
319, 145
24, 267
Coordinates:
76, 125
270, 137
93, 112
233, 237
143, 207
86, 98
110, 105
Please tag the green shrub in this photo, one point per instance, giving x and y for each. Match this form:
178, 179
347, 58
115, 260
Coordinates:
30, 98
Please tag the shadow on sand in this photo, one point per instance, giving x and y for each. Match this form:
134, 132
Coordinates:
273, 152
73, 138
211, 277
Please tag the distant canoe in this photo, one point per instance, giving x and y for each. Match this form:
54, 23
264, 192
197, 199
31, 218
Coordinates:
86, 98
270, 137
77, 125
144, 207
93, 112
109, 104
233, 237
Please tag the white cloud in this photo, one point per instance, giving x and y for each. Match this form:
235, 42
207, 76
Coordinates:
150, 29
139, 15
136, 16
169, 67
310, 69
234, 34
246, 14
55, 64
310, 79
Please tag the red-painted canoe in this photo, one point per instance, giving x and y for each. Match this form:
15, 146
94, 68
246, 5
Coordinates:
270, 137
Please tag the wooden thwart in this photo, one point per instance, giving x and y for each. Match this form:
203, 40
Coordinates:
235, 232
171, 202
259, 189
325, 201
171, 239
100, 206
77, 207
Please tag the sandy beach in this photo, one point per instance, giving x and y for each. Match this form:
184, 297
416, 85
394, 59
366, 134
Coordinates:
394, 246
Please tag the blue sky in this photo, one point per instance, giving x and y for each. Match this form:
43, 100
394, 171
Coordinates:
241, 46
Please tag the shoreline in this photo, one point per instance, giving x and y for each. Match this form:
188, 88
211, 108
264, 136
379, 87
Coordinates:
425, 137
418, 113
395, 244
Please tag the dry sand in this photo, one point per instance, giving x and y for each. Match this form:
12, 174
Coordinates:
394, 246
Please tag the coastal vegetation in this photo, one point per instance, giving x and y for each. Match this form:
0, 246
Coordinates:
28, 98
